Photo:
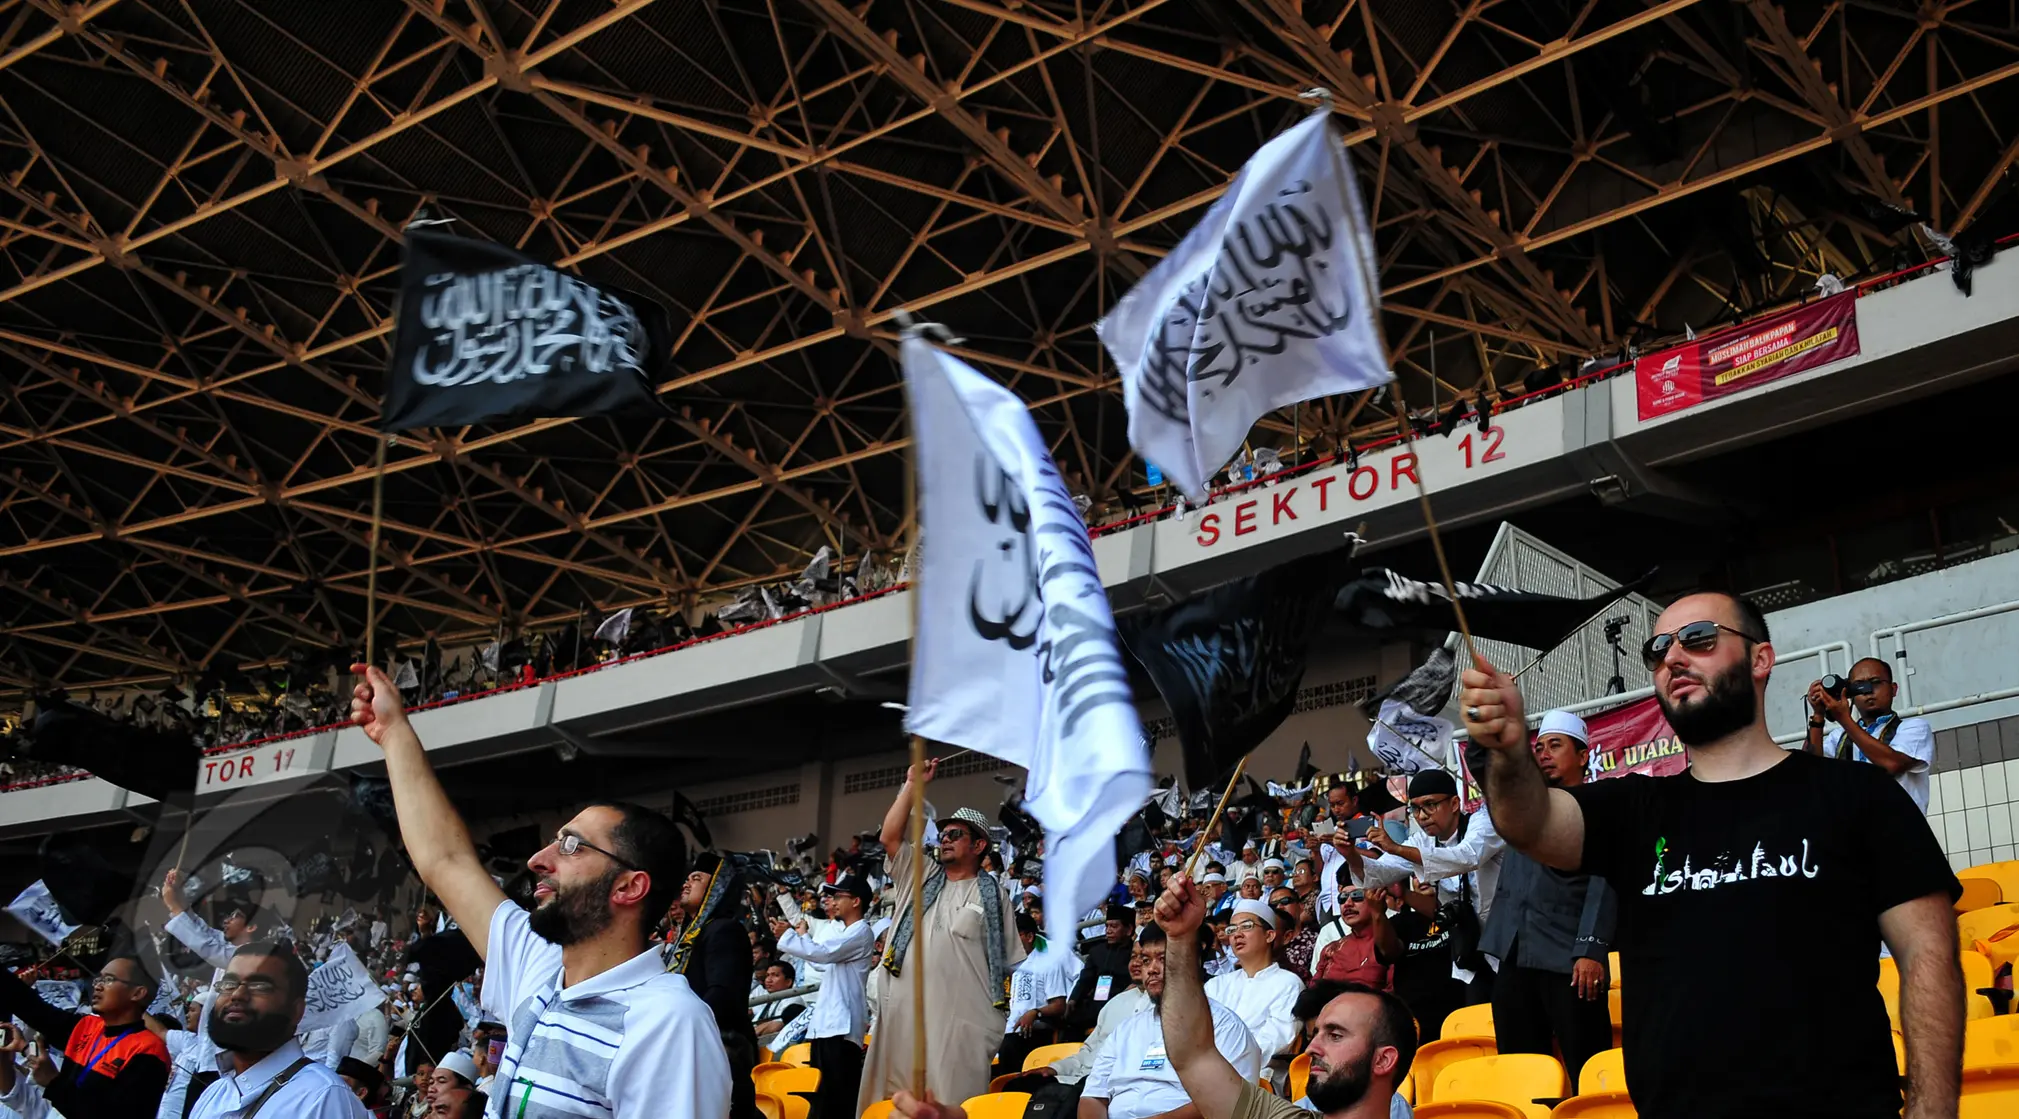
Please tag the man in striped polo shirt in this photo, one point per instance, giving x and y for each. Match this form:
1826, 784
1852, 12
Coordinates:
596, 1026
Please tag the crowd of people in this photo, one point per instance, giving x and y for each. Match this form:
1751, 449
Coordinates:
1338, 917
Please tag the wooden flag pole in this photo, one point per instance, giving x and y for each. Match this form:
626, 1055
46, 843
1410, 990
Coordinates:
917, 838
1239, 768
1430, 519
372, 576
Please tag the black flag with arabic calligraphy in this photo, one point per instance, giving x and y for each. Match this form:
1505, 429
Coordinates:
486, 332
1378, 598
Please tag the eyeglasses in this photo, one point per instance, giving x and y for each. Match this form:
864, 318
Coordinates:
106, 980
568, 843
1696, 637
1355, 895
257, 985
1428, 805
953, 835
1247, 926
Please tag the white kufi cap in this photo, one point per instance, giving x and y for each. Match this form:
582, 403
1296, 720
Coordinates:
1563, 722
1256, 909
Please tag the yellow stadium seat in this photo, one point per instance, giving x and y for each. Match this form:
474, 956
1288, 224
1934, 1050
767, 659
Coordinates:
1045, 1055
1991, 1041
881, 1109
2006, 874
1516, 1078
758, 1072
1990, 1093
1434, 1057
770, 1105
1889, 989
797, 1054
1976, 977
996, 1105
1407, 1089
1598, 1105
1470, 1109
1612, 969
1604, 1072
796, 1107
1979, 893
764, 1055
1002, 1083
1300, 1076
1899, 1053
1979, 924
1612, 1008
1470, 1021
785, 1081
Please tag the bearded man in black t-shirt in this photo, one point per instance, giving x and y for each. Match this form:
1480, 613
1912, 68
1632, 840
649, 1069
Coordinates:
1754, 890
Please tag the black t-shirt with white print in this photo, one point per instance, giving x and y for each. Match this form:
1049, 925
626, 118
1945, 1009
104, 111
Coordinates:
1749, 934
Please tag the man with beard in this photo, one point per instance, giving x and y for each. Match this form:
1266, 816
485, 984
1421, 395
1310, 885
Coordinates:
597, 1024
1551, 932
970, 949
262, 1069
113, 1065
1362, 1039
241, 922
1756, 886
1133, 1077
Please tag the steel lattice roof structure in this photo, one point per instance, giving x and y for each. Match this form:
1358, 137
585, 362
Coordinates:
201, 205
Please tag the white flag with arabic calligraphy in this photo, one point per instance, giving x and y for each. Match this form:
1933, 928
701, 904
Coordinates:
338, 991
36, 909
1016, 654
1268, 301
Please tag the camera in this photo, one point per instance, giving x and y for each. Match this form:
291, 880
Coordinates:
1838, 687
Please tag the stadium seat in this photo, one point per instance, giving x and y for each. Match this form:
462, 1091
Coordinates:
1470, 1021
1991, 1041
996, 1105
1596, 1105
1002, 1083
1612, 969
1979, 924
1520, 1079
1978, 893
1990, 1093
1044, 1055
1604, 1072
881, 1109
764, 1055
770, 1105
1977, 980
1889, 989
1470, 1109
1899, 1053
1406, 1089
2006, 874
796, 1107
1612, 1008
1300, 1076
797, 1054
783, 1082
1435, 1056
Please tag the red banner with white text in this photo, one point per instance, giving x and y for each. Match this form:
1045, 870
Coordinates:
1751, 355
1634, 738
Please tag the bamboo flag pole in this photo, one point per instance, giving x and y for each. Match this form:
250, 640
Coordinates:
916, 966
372, 576
1239, 768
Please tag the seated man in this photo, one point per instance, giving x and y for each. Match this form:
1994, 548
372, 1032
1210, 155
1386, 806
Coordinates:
1074, 1067
1038, 990
1369, 947
1131, 1079
775, 1015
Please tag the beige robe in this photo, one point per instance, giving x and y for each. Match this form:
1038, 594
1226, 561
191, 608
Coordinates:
963, 1026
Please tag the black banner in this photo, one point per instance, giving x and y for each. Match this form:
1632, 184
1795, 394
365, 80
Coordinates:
1381, 599
161, 764
486, 332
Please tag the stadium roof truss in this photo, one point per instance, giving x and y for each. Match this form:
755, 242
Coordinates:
201, 204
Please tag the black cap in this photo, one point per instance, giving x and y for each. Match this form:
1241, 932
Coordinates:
848, 884
362, 1073
1120, 913
1432, 782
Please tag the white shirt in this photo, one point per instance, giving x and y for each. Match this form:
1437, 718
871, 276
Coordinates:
1042, 977
1075, 1066
373, 1032
331, 1044
314, 1092
212, 948
1915, 738
378, 932
1476, 856
632, 1042
1263, 1000
1135, 1076
847, 953
26, 1100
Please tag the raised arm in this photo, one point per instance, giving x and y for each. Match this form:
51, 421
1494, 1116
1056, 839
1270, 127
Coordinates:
1922, 936
898, 819
19, 1000
1213, 1084
1543, 823
194, 932
436, 839
859, 942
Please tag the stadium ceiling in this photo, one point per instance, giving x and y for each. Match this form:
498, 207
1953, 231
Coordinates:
201, 205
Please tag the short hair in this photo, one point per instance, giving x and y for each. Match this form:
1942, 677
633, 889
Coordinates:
145, 977
1395, 1026
1151, 933
1752, 622
1880, 661
1305, 863
1027, 924
1215, 867
782, 965
652, 843
291, 965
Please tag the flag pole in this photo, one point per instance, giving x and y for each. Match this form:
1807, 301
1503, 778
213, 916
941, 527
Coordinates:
1226, 796
918, 768
372, 576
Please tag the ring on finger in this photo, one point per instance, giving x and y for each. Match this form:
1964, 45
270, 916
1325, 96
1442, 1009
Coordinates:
1472, 713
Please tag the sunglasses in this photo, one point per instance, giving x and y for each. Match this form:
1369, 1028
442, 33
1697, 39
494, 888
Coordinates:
1696, 637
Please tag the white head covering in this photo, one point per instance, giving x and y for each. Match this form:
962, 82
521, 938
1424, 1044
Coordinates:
1563, 722
1256, 909
460, 1063
1214, 876
1273, 864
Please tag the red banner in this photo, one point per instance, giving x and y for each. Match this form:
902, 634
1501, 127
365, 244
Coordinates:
1749, 356
1630, 739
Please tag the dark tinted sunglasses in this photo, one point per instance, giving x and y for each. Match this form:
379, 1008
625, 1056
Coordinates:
1696, 637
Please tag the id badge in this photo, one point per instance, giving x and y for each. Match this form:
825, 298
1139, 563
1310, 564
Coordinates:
1102, 986
1153, 1058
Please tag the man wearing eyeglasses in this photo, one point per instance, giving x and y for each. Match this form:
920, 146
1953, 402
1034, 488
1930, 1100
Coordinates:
240, 922
263, 1071
1458, 850
1867, 730
598, 1025
1754, 887
113, 1065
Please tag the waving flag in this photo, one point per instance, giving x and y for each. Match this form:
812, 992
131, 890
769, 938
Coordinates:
36, 909
1016, 654
1268, 301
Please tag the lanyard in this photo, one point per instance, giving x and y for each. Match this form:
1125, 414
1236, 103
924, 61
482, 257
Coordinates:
523, 1100
95, 1058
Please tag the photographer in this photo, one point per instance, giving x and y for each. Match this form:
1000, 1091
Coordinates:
1866, 728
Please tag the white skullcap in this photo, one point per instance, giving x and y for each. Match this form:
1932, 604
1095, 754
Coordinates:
1273, 864
1214, 876
460, 1063
1257, 909
1563, 722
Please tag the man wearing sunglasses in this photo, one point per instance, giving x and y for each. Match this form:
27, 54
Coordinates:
598, 1025
1754, 889
1867, 730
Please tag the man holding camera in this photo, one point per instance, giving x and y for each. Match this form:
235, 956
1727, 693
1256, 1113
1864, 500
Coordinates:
1866, 728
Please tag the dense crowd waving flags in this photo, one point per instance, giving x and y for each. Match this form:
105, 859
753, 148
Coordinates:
1268, 301
486, 332
1016, 654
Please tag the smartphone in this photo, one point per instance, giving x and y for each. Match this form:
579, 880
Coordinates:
1324, 829
1359, 826
497, 1047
